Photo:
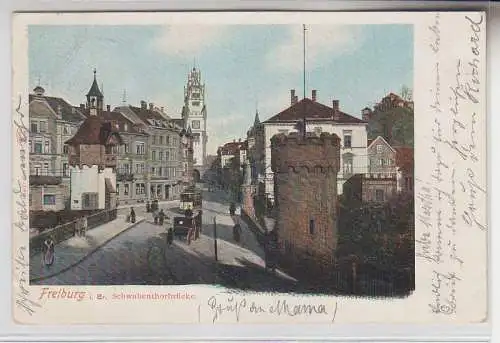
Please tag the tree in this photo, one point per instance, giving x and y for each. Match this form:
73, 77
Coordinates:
406, 93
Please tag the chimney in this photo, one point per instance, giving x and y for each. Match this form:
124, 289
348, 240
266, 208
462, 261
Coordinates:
143, 105
151, 106
313, 95
336, 112
108, 108
293, 98
366, 114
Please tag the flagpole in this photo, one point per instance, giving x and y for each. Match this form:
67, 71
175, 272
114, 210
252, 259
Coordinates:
304, 78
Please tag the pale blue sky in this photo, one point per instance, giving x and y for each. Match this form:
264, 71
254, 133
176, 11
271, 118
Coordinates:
244, 67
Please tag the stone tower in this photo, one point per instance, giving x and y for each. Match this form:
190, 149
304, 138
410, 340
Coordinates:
305, 184
194, 114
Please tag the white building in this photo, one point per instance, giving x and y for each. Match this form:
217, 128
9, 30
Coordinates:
194, 114
352, 132
93, 159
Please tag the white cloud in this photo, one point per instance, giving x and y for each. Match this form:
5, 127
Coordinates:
189, 39
322, 42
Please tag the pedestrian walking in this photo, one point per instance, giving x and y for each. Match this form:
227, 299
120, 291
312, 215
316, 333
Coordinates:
84, 226
170, 236
161, 216
132, 215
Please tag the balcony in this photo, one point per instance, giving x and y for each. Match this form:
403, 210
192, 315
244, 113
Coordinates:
120, 177
45, 180
110, 160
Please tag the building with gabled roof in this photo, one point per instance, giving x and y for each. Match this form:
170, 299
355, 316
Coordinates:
92, 156
163, 150
319, 118
52, 121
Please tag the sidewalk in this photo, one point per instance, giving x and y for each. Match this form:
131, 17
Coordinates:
74, 250
143, 204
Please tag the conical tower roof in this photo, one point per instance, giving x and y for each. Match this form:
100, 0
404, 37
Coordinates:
94, 89
256, 120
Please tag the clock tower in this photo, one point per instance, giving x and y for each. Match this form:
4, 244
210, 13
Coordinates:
194, 114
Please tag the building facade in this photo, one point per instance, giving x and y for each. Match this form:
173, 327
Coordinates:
369, 189
161, 152
92, 157
381, 158
319, 118
52, 122
305, 172
194, 114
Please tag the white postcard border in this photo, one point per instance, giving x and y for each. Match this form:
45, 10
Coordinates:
472, 244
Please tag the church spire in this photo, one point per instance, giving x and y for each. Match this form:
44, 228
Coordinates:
95, 98
257, 119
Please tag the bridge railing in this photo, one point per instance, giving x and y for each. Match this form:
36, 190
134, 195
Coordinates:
66, 231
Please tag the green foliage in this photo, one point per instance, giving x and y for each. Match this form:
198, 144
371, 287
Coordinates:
394, 124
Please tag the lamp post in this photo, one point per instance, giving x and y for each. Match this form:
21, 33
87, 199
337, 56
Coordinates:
215, 240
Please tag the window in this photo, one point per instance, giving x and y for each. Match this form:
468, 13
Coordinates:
66, 130
196, 137
117, 189
43, 126
153, 171
195, 124
311, 226
153, 155
159, 171
161, 140
140, 149
31, 146
45, 169
381, 162
65, 149
185, 154
379, 195
49, 199
37, 169
65, 169
38, 147
89, 201
160, 155
347, 138
348, 164
154, 139
196, 103
379, 148
140, 189
125, 127
34, 127
167, 140
185, 167
125, 192
126, 148
167, 155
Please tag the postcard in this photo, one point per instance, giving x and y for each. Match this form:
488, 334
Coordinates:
249, 168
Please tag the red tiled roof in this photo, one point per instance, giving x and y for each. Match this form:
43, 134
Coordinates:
230, 148
93, 131
59, 105
118, 121
314, 111
145, 114
404, 158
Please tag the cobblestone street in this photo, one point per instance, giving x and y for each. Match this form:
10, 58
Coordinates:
140, 256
